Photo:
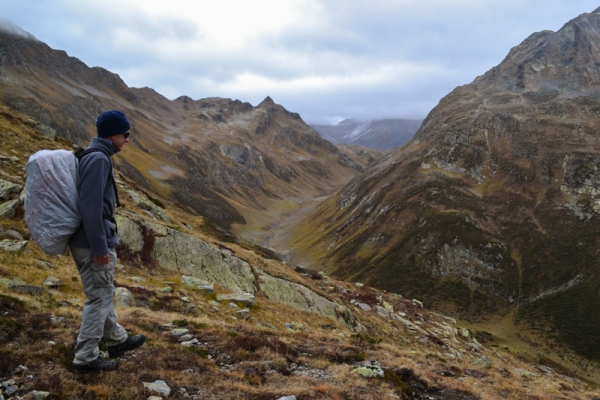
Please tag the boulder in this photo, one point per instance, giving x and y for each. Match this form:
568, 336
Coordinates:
123, 297
7, 189
158, 386
243, 298
182, 252
198, 284
302, 298
371, 369
8, 209
53, 282
13, 246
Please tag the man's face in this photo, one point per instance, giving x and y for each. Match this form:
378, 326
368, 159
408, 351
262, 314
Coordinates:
119, 140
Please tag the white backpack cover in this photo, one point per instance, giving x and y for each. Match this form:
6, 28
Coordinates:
51, 210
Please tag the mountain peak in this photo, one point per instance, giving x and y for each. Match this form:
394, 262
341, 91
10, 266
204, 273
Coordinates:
8, 27
268, 101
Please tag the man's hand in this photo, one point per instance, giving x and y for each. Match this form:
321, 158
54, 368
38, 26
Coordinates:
103, 260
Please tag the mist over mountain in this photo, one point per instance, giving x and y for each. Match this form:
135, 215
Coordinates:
493, 209
379, 134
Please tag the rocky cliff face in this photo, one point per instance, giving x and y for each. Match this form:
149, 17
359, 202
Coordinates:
238, 165
378, 134
493, 207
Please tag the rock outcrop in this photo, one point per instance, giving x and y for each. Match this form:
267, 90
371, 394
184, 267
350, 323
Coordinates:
493, 203
189, 255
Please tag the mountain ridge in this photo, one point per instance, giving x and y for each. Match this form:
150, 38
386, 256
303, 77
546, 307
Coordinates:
290, 332
492, 208
238, 165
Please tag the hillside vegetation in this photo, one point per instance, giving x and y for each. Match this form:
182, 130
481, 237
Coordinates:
491, 213
204, 347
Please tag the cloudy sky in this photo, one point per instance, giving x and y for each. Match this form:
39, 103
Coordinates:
325, 59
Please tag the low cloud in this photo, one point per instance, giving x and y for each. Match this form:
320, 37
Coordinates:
377, 59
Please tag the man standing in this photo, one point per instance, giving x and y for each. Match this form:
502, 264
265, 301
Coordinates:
93, 248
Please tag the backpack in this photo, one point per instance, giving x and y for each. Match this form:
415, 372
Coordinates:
51, 198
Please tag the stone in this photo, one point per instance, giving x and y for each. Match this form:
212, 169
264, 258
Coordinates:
53, 282
123, 297
242, 298
20, 286
11, 234
13, 246
417, 303
145, 204
190, 343
524, 373
243, 314
43, 263
179, 251
384, 312
39, 395
371, 369
364, 307
158, 386
196, 283
302, 298
186, 337
191, 309
294, 326
482, 362
46, 130
179, 331
5, 283
7, 189
8, 209
166, 289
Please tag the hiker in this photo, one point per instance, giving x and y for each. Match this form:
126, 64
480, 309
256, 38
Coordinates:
93, 248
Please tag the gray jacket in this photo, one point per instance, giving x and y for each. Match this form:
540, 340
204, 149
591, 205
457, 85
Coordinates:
96, 200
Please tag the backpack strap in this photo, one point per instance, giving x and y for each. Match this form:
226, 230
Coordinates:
83, 152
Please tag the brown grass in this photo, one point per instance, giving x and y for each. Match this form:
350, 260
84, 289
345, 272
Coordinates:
243, 359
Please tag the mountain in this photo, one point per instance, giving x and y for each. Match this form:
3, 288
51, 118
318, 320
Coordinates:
237, 165
380, 134
492, 211
224, 322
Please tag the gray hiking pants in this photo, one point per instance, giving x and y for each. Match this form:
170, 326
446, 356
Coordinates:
99, 319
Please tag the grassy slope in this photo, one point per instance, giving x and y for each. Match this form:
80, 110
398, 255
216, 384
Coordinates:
257, 358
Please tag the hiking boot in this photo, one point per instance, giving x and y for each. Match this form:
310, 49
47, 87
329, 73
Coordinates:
132, 343
98, 365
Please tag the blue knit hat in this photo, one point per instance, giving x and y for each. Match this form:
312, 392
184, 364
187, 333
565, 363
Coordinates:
111, 123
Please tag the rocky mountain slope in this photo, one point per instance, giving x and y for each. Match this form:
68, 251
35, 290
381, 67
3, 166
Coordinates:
240, 166
224, 322
379, 134
492, 210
